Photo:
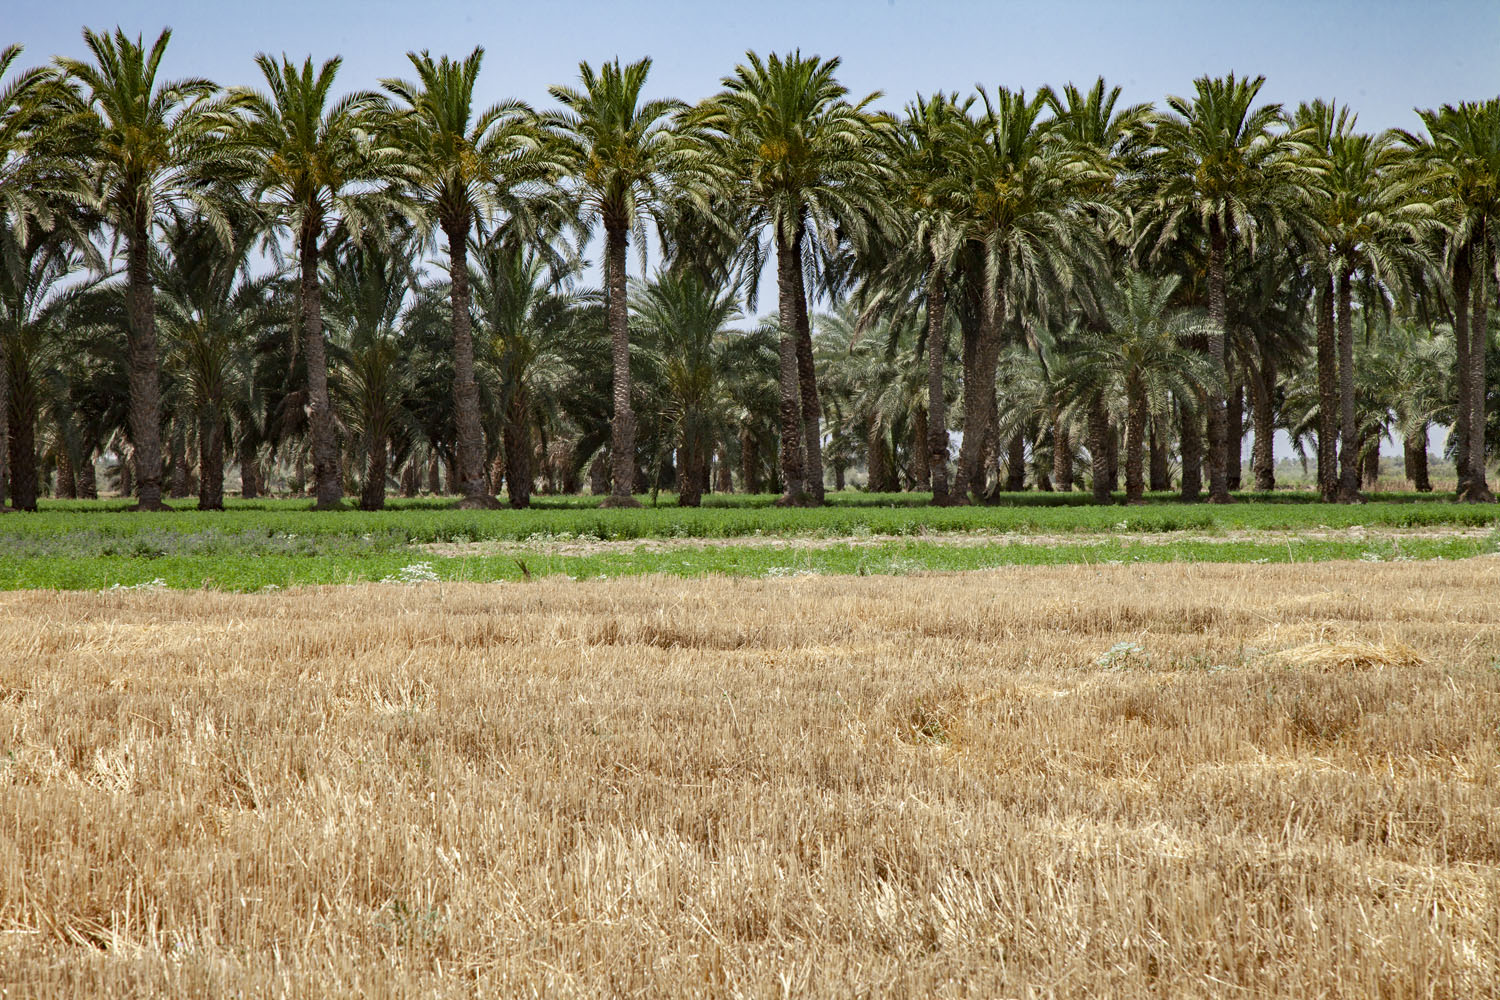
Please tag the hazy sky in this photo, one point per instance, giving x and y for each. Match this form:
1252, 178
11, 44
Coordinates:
1381, 57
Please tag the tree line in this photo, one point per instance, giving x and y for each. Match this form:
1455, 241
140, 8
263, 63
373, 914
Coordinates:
355, 291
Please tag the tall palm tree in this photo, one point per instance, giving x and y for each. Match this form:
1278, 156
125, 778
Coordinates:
786, 141
928, 145
619, 150
1374, 225
1022, 196
466, 162
1228, 165
149, 142
313, 161
1461, 155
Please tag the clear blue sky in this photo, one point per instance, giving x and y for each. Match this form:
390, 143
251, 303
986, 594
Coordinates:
1381, 57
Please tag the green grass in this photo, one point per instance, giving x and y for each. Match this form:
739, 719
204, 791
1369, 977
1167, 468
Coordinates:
242, 573
255, 544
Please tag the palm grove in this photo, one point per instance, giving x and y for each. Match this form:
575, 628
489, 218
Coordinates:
339, 292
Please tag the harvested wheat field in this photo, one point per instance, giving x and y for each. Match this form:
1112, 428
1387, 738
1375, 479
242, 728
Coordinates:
1176, 780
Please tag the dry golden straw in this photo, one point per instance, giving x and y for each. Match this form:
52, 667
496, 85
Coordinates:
1184, 781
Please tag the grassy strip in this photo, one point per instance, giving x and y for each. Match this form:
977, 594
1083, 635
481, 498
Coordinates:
241, 573
288, 528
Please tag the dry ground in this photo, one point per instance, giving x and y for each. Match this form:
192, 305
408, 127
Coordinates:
1182, 781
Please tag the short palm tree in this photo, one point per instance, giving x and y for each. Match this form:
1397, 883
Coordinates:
314, 161
1230, 166
1142, 357
212, 310
465, 161
618, 150
686, 321
783, 138
149, 142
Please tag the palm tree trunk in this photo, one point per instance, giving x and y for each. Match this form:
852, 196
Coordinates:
689, 481
1479, 335
211, 459
1462, 280
127, 474
1161, 478
328, 483
1015, 464
519, 473
1370, 462
1415, 447
23, 472
812, 410
598, 474
937, 402
1099, 451
1235, 432
1348, 433
749, 462
67, 483
979, 390
1328, 394
4, 423
372, 493
1062, 457
1262, 386
724, 480
921, 456
788, 282
465, 389
1218, 437
178, 459
1192, 454
249, 471
145, 365
1135, 437
622, 427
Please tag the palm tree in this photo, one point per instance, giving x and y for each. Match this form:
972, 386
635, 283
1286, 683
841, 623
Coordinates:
1229, 166
313, 161
1144, 359
785, 140
928, 145
1461, 157
367, 286
526, 318
148, 141
466, 162
618, 151
1373, 225
1022, 196
686, 321
212, 310
34, 303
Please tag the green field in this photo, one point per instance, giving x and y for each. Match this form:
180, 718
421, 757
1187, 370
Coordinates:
74, 545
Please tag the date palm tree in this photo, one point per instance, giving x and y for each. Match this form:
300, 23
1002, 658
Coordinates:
212, 310
466, 162
1143, 357
1024, 199
1229, 166
1461, 157
618, 151
785, 140
1375, 226
149, 142
313, 161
